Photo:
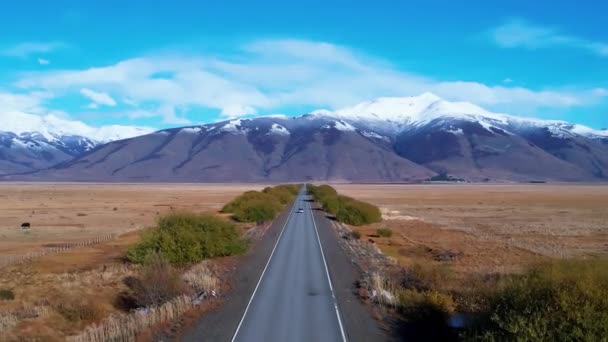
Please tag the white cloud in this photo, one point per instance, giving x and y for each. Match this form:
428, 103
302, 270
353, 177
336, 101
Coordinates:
25, 49
236, 110
98, 98
23, 102
272, 74
507, 80
43, 61
520, 33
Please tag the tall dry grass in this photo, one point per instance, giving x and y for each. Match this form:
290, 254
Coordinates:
200, 278
11, 318
126, 327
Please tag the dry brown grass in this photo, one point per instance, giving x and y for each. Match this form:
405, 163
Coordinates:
61, 294
487, 228
61, 213
126, 327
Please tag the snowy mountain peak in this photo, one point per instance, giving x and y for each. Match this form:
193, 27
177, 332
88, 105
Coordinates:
389, 108
53, 128
395, 114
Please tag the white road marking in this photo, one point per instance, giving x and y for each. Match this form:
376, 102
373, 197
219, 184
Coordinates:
328, 277
264, 271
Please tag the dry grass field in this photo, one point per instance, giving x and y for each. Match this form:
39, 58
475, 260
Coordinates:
487, 228
60, 294
470, 228
61, 213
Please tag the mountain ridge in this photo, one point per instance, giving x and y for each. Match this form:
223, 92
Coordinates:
31, 142
385, 140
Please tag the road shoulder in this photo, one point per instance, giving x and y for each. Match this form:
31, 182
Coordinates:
220, 324
356, 317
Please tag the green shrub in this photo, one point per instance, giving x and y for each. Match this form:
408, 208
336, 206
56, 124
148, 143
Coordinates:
346, 209
7, 294
558, 301
357, 213
326, 196
255, 206
256, 211
246, 198
285, 193
384, 232
184, 238
282, 194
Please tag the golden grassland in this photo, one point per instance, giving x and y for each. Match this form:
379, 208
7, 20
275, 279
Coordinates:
487, 228
60, 294
61, 213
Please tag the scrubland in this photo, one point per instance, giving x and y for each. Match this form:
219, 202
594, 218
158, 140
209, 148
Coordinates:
88, 292
508, 261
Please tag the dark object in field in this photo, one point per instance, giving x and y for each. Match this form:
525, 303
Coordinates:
26, 225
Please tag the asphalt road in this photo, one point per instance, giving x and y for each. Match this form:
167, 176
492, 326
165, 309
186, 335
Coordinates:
294, 298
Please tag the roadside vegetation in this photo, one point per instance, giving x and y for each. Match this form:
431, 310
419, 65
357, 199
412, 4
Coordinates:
130, 287
186, 238
261, 206
565, 300
558, 300
346, 209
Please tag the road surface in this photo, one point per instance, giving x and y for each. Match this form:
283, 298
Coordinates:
294, 298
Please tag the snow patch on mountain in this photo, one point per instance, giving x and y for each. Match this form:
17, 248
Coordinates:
589, 132
192, 130
234, 127
344, 126
278, 129
455, 131
373, 135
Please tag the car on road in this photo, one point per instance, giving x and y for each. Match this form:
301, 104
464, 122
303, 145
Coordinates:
300, 211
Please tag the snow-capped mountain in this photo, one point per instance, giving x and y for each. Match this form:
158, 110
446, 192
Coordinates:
52, 128
385, 140
32, 142
396, 114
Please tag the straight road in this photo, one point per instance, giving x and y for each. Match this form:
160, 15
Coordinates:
294, 298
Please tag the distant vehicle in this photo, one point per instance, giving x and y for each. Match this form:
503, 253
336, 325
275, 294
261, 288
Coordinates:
300, 211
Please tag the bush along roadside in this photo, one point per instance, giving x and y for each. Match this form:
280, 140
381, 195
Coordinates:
172, 275
347, 210
561, 300
186, 238
260, 206
558, 300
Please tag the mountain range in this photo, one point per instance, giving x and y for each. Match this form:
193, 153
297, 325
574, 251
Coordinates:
31, 142
398, 139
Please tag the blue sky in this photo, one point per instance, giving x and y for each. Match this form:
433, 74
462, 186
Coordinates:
163, 64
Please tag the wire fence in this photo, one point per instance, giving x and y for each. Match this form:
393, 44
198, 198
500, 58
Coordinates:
56, 248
